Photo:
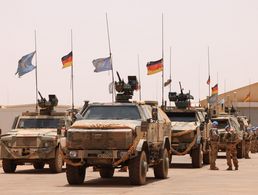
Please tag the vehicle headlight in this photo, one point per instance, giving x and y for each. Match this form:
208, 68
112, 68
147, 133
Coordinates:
47, 144
73, 154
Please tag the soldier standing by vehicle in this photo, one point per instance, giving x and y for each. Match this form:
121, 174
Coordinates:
248, 138
231, 152
214, 142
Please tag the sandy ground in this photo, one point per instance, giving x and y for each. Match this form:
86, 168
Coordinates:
182, 180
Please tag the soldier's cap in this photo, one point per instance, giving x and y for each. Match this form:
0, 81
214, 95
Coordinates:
215, 123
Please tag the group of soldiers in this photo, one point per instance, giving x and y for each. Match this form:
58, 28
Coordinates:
231, 139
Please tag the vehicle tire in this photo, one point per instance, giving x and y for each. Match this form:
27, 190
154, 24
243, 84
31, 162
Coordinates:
197, 157
75, 175
241, 149
161, 169
38, 165
138, 169
106, 172
206, 158
56, 164
9, 166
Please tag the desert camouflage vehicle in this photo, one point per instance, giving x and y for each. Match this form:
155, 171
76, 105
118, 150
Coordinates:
224, 120
33, 138
190, 129
112, 135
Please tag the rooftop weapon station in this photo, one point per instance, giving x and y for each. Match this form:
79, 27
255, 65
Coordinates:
182, 100
47, 106
125, 90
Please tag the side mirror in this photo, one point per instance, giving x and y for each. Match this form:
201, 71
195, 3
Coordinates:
154, 113
145, 126
60, 127
78, 116
207, 119
202, 126
59, 132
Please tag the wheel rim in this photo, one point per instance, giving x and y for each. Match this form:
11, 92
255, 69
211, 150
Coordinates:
59, 160
144, 166
166, 161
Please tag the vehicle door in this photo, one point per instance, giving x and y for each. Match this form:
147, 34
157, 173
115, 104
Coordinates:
152, 131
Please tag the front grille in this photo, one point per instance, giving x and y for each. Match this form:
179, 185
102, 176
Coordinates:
26, 142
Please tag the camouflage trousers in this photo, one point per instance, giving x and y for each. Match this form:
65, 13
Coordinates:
254, 146
247, 148
213, 154
231, 153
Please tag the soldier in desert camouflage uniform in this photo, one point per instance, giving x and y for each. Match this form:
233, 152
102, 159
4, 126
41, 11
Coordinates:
231, 139
254, 140
248, 134
214, 141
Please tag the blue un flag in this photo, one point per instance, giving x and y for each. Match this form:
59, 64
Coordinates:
25, 65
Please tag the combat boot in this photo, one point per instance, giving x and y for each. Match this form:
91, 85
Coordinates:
236, 168
214, 168
229, 169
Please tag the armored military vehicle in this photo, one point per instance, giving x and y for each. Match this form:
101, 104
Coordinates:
111, 135
33, 138
224, 120
190, 128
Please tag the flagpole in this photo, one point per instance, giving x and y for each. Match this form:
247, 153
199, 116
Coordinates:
139, 75
36, 69
110, 54
209, 70
72, 71
162, 62
249, 102
170, 77
209, 77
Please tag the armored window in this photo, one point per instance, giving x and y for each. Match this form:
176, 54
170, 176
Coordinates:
38, 123
112, 113
182, 116
222, 123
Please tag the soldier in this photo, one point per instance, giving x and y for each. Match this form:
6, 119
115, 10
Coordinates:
231, 152
253, 141
248, 138
214, 142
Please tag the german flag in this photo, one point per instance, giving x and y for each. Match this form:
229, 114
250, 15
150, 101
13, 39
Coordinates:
154, 67
214, 90
247, 98
67, 60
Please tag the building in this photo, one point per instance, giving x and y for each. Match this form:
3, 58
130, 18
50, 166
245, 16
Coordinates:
244, 100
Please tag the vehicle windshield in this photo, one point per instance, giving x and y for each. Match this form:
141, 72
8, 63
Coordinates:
181, 116
112, 113
221, 123
38, 123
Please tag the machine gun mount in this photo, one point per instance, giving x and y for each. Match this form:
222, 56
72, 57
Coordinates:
47, 106
182, 100
125, 90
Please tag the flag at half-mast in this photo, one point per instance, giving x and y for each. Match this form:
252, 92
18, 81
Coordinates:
209, 80
154, 66
25, 65
102, 64
247, 98
214, 90
67, 60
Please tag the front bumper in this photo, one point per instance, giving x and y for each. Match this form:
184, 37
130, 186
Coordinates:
27, 153
96, 157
